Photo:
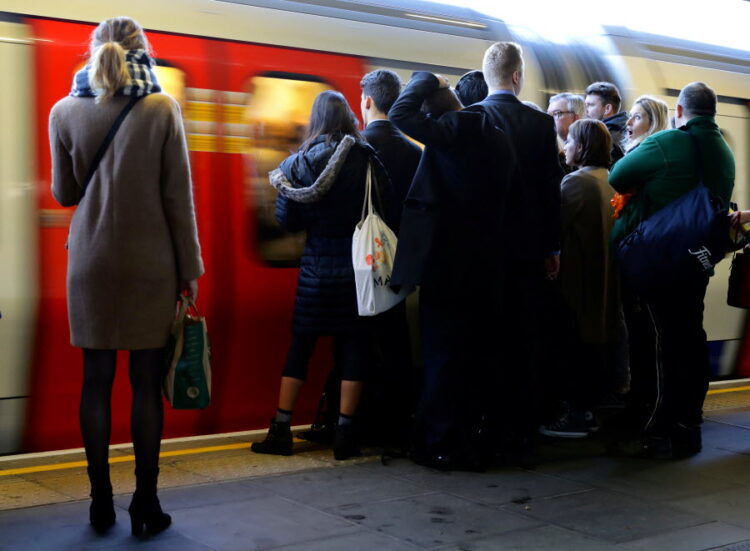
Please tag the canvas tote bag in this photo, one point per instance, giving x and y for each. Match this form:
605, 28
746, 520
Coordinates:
373, 252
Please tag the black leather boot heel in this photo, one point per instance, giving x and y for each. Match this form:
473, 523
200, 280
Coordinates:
146, 515
102, 509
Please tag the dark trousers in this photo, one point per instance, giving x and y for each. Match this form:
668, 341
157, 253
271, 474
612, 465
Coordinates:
389, 398
669, 355
524, 343
460, 353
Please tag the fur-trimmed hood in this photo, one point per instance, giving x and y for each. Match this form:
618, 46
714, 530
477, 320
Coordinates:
292, 189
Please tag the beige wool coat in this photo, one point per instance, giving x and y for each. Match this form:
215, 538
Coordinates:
133, 236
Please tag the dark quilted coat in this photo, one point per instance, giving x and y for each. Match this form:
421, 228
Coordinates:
326, 301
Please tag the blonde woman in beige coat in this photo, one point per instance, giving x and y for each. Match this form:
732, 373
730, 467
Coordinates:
133, 246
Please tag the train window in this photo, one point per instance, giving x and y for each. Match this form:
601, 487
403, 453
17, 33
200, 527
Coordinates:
277, 113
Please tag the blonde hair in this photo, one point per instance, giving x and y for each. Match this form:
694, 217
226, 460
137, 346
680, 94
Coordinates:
501, 60
658, 116
109, 41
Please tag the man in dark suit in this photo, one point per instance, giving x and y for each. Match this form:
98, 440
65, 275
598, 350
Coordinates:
449, 244
533, 238
400, 156
389, 400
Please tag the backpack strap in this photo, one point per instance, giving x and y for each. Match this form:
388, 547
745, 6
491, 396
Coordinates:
698, 158
105, 144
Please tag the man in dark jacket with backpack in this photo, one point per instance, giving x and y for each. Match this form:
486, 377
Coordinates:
663, 168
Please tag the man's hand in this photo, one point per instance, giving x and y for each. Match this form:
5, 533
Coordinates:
739, 217
443, 81
552, 266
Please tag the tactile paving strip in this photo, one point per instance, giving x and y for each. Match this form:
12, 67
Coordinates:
727, 400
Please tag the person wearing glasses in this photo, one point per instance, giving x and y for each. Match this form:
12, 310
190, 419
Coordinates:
603, 101
566, 109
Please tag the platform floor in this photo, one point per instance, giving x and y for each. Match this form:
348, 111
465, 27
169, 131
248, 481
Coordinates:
223, 497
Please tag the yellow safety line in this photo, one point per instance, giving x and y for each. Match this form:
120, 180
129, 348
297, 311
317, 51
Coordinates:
725, 390
124, 459
208, 449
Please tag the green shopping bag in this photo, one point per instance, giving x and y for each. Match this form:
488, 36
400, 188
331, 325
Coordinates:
188, 381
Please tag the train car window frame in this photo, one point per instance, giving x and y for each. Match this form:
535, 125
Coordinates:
271, 140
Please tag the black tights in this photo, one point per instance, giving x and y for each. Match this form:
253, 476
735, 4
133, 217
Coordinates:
147, 413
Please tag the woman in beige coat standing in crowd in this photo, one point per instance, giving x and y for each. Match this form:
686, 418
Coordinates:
133, 246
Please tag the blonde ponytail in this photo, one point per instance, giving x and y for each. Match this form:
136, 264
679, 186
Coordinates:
108, 72
110, 39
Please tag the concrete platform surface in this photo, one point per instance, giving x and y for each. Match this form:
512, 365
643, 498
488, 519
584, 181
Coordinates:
574, 498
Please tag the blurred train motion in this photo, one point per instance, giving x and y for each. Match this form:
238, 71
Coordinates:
246, 73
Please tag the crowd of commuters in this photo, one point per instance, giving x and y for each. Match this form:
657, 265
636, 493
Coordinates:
507, 221
513, 215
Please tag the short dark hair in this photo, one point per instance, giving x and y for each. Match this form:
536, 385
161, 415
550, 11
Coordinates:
698, 99
330, 116
595, 141
439, 102
608, 93
383, 86
471, 88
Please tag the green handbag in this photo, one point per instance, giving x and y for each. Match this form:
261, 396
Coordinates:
188, 381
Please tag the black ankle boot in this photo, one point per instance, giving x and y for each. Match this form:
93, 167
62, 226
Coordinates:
145, 511
345, 443
102, 509
278, 440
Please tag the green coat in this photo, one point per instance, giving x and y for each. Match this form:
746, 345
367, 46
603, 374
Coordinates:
663, 168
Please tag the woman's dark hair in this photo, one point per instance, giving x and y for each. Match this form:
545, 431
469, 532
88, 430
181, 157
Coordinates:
594, 141
331, 116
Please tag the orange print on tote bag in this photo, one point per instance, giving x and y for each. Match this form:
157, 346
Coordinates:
373, 252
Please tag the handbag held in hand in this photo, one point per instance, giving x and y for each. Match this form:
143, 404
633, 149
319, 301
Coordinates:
373, 252
188, 381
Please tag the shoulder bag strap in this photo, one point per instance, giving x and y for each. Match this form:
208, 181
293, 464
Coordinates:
105, 144
698, 158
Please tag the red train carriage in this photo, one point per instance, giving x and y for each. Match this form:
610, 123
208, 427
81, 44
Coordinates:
246, 297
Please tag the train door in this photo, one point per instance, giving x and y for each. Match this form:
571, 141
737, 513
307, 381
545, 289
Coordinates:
18, 225
276, 87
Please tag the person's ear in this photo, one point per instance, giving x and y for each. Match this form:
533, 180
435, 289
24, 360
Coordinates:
368, 102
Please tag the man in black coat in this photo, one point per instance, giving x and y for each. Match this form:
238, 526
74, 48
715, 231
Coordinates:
450, 245
389, 399
400, 156
533, 239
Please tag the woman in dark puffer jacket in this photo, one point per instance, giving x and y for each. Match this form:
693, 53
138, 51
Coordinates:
321, 190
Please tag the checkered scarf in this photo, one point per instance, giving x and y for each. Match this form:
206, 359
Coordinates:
142, 77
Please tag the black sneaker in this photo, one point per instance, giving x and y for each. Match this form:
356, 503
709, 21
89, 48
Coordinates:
574, 424
611, 401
